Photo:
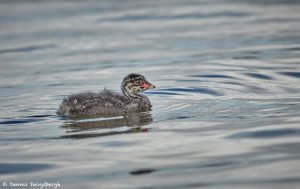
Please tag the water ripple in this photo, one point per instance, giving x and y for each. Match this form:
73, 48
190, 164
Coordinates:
291, 74
266, 133
27, 49
20, 121
142, 171
213, 76
146, 17
10, 168
258, 76
194, 90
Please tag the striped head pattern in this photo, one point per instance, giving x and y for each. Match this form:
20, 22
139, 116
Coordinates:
135, 83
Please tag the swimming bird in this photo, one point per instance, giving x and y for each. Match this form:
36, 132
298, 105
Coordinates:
108, 102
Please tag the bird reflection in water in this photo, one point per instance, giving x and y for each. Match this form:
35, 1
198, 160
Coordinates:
92, 126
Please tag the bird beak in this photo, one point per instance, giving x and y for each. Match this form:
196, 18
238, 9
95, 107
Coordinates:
151, 86
147, 85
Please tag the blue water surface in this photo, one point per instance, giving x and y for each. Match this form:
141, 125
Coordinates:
226, 110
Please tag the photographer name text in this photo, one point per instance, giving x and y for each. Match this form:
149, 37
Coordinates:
45, 185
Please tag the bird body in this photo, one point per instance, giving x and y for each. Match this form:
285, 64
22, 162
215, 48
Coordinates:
108, 102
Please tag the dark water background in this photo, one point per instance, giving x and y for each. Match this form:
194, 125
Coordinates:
226, 110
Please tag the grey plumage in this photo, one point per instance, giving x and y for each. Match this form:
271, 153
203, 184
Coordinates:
109, 102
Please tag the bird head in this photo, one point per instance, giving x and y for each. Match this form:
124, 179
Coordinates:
135, 83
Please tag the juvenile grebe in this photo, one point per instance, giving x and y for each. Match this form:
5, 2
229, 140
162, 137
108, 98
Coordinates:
109, 102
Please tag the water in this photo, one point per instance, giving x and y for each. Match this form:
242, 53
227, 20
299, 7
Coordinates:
226, 109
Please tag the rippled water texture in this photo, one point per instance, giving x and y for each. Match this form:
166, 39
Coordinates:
226, 110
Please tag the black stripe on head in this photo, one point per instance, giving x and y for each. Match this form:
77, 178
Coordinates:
133, 76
